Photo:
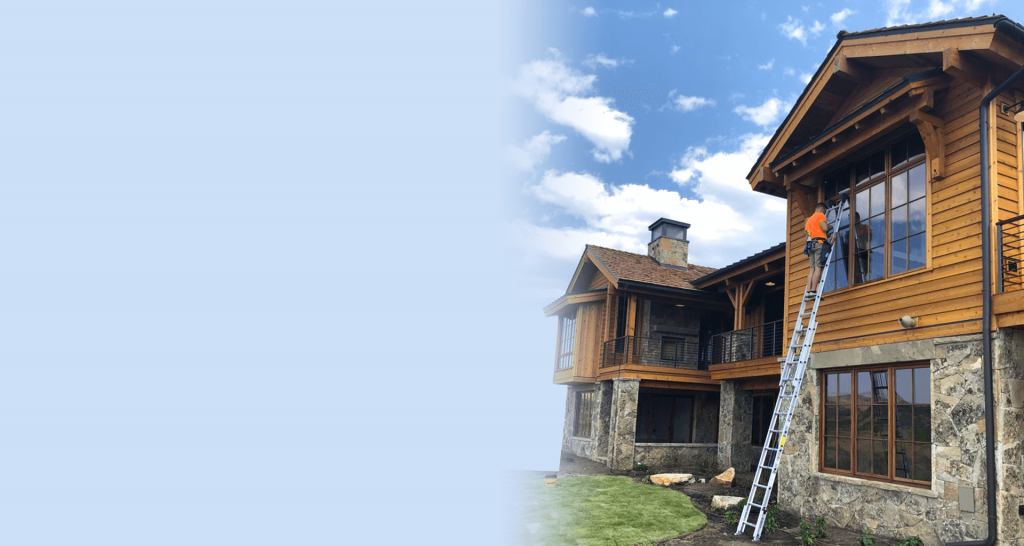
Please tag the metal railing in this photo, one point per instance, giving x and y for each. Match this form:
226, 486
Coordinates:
1010, 233
748, 343
667, 352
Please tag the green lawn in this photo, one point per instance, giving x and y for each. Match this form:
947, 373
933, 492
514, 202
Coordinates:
604, 511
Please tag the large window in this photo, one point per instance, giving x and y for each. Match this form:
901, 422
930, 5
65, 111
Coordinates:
565, 342
764, 407
885, 230
583, 417
869, 429
664, 418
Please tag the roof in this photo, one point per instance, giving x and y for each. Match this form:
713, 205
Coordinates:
725, 271
627, 266
1001, 22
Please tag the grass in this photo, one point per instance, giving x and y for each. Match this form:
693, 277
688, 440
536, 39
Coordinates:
606, 511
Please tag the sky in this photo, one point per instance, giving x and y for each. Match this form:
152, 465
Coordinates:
272, 272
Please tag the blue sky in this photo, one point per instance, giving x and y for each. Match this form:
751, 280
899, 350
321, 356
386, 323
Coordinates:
272, 273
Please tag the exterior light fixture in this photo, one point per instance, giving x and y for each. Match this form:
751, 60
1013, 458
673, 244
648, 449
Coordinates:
907, 321
1018, 115
680, 305
770, 283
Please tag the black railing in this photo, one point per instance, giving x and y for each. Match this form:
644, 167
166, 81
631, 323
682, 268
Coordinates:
667, 352
1010, 233
748, 343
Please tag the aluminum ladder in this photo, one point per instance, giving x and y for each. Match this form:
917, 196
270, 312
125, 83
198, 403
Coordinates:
789, 388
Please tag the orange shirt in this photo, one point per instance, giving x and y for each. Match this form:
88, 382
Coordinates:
813, 227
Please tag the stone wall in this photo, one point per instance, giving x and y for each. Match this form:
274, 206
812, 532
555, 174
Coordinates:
659, 320
604, 419
939, 514
625, 396
584, 447
694, 458
1008, 374
734, 423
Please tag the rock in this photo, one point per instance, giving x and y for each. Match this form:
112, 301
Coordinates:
724, 479
669, 479
725, 501
702, 480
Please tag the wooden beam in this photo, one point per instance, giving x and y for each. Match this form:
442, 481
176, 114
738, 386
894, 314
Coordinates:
804, 200
931, 130
963, 67
631, 316
850, 70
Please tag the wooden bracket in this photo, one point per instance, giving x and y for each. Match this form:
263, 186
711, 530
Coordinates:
931, 129
803, 197
850, 70
739, 295
963, 67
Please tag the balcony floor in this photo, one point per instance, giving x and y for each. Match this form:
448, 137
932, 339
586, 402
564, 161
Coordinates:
758, 367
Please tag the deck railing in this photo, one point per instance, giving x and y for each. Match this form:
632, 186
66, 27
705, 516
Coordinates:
1010, 233
748, 343
666, 352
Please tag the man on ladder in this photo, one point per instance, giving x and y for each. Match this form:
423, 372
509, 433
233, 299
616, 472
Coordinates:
818, 230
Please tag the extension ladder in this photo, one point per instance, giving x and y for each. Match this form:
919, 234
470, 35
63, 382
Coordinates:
789, 388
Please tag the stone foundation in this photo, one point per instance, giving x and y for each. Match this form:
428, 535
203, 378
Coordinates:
700, 458
582, 446
940, 513
625, 396
734, 424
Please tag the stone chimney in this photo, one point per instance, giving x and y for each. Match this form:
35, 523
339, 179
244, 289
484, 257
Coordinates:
668, 244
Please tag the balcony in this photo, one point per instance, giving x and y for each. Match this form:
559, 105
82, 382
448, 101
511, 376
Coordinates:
1008, 301
665, 352
749, 353
752, 343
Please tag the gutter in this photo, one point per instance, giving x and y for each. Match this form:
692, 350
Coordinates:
986, 312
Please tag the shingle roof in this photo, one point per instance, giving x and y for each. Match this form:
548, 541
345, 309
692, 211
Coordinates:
965, 21
627, 266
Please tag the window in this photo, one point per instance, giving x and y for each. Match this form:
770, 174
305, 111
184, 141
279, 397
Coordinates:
672, 348
764, 407
885, 231
664, 418
869, 429
581, 423
565, 342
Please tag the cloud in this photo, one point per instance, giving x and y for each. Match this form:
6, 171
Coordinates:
670, 13
766, 66
805, 77
560, 94
897, 13
840, 16
589, 11
675, 49
817, 27
689, 104
938, 8
794, 29
767, 114
730, 221
533, 151
593, 61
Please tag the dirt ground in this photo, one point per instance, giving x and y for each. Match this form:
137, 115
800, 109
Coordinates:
717, 531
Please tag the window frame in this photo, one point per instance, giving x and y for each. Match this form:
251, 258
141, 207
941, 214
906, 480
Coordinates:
648, 404
583, 421
566, 342
891, 439
851, 189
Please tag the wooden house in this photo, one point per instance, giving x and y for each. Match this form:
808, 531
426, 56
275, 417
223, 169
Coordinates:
644, 342
890, 432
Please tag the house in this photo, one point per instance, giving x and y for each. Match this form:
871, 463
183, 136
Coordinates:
903, 427
890, 431
669, 362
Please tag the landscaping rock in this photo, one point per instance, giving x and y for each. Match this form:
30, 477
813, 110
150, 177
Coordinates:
669, 479
724, 479
725, 501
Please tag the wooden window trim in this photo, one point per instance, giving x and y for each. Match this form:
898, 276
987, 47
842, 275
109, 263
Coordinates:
566, 327
889, 173
581, 421
852, 473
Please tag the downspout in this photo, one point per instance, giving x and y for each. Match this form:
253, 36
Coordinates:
986, 315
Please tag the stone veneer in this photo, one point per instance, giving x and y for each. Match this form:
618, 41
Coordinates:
958, 447
622, 427
667, 251
584, 447
734, 423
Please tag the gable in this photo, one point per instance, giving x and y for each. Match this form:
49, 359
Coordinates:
884, 71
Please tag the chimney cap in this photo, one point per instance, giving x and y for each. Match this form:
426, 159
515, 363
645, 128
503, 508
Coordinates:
660, 221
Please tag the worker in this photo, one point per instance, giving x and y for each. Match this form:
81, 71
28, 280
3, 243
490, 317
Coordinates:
818, 231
